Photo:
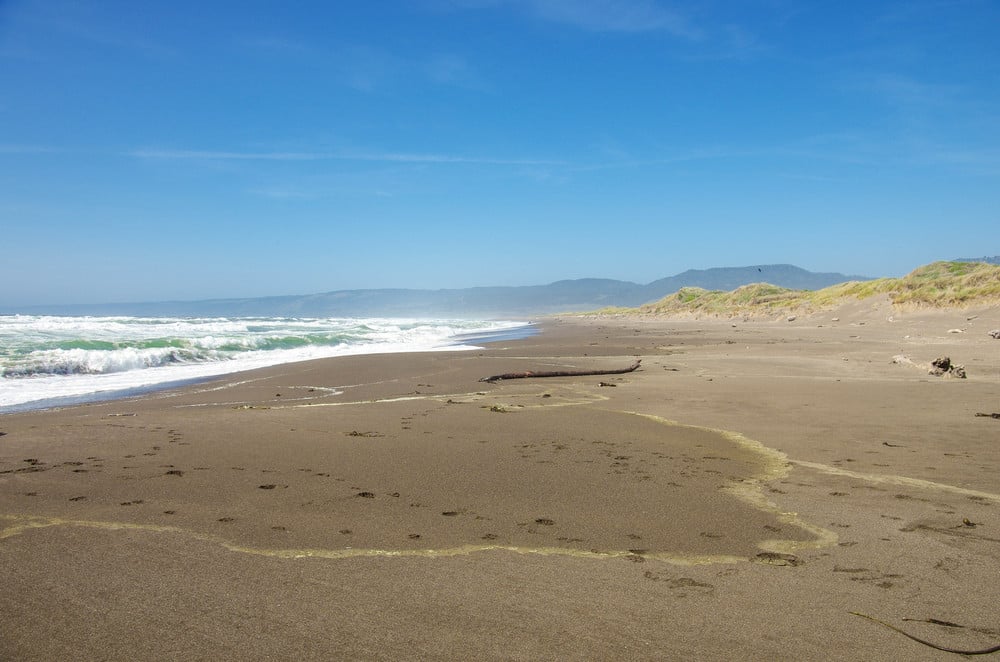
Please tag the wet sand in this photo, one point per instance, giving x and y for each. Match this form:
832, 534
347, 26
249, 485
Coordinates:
738, 496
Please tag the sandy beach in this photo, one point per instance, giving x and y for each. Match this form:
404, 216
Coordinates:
737, 497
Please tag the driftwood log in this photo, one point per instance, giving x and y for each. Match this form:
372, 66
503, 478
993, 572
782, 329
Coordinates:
946, 649
560, 373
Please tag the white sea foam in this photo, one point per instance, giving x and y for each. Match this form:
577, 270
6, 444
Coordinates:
44, 358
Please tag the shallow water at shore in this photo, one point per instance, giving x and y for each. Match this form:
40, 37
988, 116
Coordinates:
56, 361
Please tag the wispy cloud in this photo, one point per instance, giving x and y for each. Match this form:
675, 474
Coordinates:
907, 92
205, 155
612, 15
728, 42
699, 154
87, 24
445, 158
597, 15
454, 70
383, 157
283, 193
367, 68
28, 149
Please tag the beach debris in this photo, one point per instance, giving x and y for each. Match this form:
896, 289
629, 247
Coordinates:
995, 334
366, 495
956, 330
934, 621
174, 472
984, 414
791, 318
607, 384
943, 367
946, 649
367, 435
560, 373
939, 367
777, 558
499, 409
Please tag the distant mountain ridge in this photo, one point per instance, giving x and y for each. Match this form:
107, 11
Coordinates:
474, 302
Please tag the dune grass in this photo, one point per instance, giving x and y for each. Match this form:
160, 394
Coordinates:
936, 285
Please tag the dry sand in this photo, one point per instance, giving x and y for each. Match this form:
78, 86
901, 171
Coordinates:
736, 498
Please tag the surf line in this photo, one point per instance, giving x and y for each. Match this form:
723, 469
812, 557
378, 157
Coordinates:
751, 490
583, 397
894, 479
25, 523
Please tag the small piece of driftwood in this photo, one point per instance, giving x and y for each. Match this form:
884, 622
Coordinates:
986, 415
560, 373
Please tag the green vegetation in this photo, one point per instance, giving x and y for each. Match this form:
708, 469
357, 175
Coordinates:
939, 285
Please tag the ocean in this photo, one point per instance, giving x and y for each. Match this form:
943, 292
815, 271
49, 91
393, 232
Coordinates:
50, 361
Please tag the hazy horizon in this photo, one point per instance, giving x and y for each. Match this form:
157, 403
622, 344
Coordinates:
85, 304
184, 152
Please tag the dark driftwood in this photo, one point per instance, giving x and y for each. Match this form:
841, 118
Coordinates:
946, 649
560, 373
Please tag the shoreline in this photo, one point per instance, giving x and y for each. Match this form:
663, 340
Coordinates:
694, 508
462, 342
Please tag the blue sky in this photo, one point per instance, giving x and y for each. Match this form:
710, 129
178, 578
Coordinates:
182, 150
